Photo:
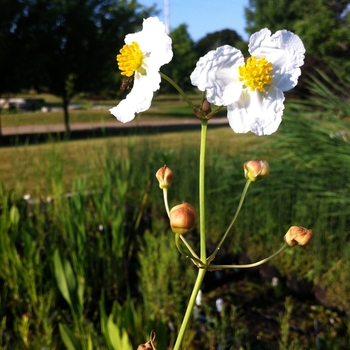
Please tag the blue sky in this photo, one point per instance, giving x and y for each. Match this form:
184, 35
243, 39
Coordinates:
203, 17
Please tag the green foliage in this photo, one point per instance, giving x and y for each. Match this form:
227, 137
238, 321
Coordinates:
184, 58
321, 24
69, 285
164, 298
223, 37
63, 58
285, 343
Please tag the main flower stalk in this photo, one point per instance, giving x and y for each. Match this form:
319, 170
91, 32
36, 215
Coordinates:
203, 254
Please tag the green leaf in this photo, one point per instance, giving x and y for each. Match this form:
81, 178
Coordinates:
70, 340
119, 338
71, 288
14, 216
103, 320
61, 277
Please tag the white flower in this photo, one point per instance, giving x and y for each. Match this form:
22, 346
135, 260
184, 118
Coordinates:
252, 90
140, 60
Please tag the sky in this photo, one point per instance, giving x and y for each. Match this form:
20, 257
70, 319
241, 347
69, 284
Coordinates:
204, 16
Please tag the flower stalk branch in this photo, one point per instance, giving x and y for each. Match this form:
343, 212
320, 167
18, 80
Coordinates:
245, 190
179, 90
165, 197
213, 267
179, 248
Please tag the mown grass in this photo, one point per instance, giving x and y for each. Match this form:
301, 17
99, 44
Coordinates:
31, 166
162, 106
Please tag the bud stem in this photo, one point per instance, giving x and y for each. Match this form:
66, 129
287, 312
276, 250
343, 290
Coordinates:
244, 193
179, 90
179, 248
188, 246
165, 196
247, 266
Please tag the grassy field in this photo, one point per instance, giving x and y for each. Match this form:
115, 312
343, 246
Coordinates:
31, 166
163, 106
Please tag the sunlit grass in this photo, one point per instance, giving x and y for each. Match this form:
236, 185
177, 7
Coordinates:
32, 165
170, 106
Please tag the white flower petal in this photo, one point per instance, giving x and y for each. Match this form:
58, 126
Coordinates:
284, 50
217, 74
153, 41
260, 113
155, 45
138, 100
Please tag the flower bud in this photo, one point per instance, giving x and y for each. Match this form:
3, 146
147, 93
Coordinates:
146, 346
150, 344
165, 177
256, 170
205, 107
298, 235
182, 218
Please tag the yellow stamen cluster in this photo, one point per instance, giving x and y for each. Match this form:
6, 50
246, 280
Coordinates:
130, 59
256, 73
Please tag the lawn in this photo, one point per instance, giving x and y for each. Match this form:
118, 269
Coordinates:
30, 167
97, 111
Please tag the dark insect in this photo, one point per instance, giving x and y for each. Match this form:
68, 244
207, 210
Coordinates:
127, 84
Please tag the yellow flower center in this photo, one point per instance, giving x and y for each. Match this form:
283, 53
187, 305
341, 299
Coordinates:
130, 59
256, 73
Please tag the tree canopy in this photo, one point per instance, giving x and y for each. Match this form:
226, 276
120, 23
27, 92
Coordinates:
65, 46
184, 58
323, 25
213, 40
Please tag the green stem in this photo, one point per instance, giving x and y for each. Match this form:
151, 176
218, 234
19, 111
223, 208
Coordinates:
179, 248
189, 247
244, 193
247, 266
177, 87
211, 114
203, 254
201, 271
196, 288
165, 196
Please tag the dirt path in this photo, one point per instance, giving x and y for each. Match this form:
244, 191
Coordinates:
59, 128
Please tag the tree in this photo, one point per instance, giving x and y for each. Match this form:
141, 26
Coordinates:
10, 59
323, 25
184, 58
69, 46
214, 40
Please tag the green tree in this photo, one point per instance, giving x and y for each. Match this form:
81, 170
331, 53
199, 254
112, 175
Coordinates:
223, 37
10, 60
184, 59
323, 25
69, 46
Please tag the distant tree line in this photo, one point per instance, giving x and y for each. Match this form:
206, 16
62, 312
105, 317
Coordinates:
66, 47
323, 25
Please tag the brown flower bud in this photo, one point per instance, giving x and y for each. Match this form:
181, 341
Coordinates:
165, 177
182, 218
150, 344
256, 170
146, 346
205, 107
298, 235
